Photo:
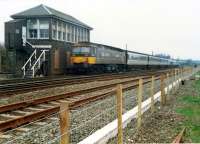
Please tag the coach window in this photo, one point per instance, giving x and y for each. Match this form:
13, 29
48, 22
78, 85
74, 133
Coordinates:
32, 26
44, 29
54, 29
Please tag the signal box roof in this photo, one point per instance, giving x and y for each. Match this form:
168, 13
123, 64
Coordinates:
45, 11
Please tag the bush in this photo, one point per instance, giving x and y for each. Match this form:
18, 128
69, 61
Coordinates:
3, 60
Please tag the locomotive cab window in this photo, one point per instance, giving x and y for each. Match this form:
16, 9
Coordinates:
83, 51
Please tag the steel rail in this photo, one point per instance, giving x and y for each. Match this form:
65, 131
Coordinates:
27, 103
13, 123
64, 78
6, 91
31, 87
42, 85
52, 78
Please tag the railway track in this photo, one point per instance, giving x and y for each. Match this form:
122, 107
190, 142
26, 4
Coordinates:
17, 114
27, 86
13, 116
17, 88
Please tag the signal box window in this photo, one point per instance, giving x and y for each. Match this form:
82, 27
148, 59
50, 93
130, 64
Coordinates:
44, 29
32, 28
54, 30
38, 29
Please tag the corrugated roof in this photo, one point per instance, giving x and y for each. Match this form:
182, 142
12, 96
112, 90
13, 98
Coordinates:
43, 10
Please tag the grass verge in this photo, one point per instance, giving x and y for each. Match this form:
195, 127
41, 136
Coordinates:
190, 109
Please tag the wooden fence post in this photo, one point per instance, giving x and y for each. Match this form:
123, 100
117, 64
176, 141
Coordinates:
168, 83
64, 123
152, 94
179, 76
139, 97
174, 80
162, 89
119, 114
177, 79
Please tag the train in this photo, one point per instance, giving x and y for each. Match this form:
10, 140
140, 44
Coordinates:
93, 57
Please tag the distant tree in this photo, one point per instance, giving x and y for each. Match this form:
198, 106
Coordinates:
1, 45
3, 58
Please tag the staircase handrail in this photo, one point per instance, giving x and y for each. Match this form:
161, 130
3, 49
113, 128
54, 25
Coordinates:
38, 61
29, 60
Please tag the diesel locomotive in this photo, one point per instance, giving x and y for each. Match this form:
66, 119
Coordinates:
87, 56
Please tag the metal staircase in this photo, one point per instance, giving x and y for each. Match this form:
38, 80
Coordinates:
34, 63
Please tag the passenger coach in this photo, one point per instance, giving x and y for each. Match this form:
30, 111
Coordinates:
88, 56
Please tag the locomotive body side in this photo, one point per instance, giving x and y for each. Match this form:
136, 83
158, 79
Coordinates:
94, 57
97, 57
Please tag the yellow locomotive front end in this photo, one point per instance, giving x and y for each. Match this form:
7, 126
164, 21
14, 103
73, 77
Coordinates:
83, 57
83, 60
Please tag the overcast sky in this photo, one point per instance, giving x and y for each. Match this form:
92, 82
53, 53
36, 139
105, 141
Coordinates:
161, 26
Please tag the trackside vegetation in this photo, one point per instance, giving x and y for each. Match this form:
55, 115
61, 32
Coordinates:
190, 109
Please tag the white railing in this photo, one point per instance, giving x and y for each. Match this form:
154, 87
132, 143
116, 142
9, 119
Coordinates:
30, 60
38, 62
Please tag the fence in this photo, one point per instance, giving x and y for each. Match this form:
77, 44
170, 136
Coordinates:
80, 125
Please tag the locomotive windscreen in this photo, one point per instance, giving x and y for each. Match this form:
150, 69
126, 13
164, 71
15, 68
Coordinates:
83, 51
